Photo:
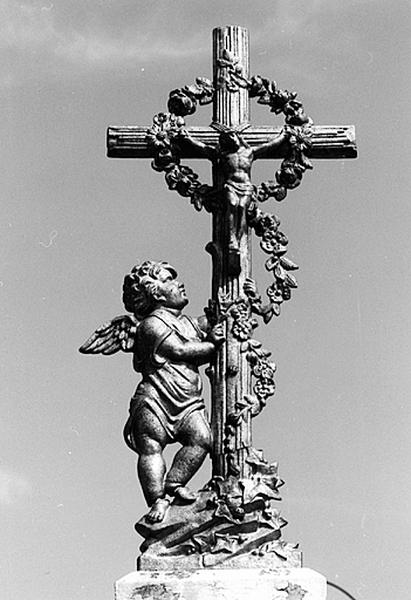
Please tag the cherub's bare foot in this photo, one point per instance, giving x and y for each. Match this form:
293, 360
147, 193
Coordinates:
185, 495
158, 511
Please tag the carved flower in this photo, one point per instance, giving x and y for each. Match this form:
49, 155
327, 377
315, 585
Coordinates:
267, 245
264, 388
275, 292
280, 193
281, 238
265, 370
270, 189
202, 90
262, 87
290, 176
242, 329
279, 99
240, 310
165, 127
300, 137
269, 242
294, 113
182, 179
164, 159
181, 104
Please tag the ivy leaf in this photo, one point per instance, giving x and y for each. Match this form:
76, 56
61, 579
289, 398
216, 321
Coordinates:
280, 273
267, 316
288, 264
254, 343
291, 280
225, 543
271, 263
222, 510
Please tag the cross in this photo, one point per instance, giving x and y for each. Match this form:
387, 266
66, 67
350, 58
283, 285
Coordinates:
231, 373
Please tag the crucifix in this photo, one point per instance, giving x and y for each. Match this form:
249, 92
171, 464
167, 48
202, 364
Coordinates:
241, 373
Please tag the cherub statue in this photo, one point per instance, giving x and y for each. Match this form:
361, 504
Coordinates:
167, 406
234, 157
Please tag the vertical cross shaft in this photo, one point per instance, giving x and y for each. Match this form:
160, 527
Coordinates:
231, 376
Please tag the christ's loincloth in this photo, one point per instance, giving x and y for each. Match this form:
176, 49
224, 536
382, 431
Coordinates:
242, 190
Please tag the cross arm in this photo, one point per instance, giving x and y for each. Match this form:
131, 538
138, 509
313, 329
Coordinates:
328, 141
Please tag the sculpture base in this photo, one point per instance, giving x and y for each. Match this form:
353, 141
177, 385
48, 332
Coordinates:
223, 584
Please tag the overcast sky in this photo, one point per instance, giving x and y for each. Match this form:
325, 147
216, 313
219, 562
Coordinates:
74, 222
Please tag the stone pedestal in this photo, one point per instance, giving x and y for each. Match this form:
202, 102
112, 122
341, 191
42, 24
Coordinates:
223, 584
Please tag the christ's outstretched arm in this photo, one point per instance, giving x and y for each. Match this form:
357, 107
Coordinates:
273, 143
206, 150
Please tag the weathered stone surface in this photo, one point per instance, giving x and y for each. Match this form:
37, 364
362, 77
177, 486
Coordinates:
223, 584
269, 561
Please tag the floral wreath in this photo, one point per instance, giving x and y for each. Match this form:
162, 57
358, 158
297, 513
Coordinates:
165, 134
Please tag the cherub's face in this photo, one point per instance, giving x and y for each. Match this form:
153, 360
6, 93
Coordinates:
170, 291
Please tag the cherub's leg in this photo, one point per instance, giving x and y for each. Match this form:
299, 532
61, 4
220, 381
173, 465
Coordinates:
195, 437
150, 440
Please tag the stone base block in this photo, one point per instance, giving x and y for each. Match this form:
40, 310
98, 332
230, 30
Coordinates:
192, 562
223, 584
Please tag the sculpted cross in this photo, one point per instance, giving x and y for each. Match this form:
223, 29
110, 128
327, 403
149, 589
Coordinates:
241, 374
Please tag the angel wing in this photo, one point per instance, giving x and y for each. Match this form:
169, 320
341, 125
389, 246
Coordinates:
117, 334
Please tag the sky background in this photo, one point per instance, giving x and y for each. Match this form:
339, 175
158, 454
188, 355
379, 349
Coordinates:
73, 223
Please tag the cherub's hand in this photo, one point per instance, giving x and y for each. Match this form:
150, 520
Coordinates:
216, 335
183, 133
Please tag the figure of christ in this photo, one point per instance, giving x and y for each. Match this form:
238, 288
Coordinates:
167, 406
234, 158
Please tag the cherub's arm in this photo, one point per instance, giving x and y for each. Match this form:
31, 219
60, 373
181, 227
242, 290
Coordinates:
194, 352
273, 143
206, 150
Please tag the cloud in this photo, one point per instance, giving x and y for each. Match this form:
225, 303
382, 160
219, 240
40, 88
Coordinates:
64, 39
41, 38
13, 487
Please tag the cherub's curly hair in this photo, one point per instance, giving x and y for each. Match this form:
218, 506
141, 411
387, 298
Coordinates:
140, 286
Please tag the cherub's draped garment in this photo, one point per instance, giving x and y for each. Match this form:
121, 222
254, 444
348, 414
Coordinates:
172, 390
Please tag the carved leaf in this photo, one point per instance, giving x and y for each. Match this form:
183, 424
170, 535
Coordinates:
268, 315
271, 263
222, 510
254, 343
288, 264
291, 280
279, 272
259, 489
225, 543
203, 542
276, 309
